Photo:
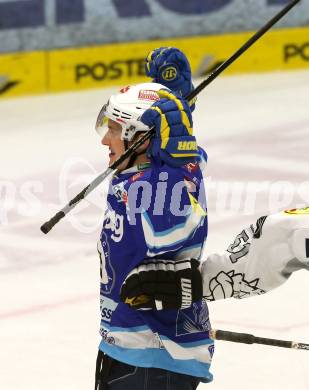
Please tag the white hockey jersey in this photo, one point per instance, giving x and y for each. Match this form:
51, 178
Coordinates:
261, 258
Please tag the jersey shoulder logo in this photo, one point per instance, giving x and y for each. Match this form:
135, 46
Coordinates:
107, 308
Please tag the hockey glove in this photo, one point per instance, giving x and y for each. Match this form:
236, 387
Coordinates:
170, 67
163, 284
174, 142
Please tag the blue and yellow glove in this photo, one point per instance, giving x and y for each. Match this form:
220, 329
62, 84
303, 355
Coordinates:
170, 67
174, 142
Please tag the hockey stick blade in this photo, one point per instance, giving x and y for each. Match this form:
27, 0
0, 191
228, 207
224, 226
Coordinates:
47, 226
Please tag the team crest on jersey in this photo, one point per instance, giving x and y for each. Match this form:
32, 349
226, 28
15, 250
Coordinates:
196, 321
107, 272
120, 192
304, 210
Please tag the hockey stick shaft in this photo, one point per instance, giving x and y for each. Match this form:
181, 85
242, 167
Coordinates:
246, 338
242, 49
47, 226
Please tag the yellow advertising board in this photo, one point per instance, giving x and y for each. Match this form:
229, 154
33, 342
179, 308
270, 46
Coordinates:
123, 63
22, 73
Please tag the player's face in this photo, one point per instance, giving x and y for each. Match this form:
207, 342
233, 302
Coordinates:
113, 140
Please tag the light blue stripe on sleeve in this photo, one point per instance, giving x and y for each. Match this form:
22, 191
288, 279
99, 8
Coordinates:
169, 238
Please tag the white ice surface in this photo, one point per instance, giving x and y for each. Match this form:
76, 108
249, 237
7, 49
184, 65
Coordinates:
255, 129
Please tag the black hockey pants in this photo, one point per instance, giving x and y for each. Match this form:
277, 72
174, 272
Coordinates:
114, 375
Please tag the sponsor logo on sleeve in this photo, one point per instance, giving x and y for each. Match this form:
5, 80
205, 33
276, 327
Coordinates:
106, 336
136, 176
107, 307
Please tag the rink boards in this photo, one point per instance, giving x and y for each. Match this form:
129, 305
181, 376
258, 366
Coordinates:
122, 64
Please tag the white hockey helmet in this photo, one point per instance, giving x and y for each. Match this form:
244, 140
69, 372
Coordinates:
126, 107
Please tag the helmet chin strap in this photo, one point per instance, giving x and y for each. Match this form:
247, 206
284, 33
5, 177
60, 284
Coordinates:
134, 155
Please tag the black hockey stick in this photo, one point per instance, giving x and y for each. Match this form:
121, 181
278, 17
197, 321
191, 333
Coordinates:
47, 226
250, 339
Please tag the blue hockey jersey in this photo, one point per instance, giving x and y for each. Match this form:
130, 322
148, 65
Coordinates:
154, 212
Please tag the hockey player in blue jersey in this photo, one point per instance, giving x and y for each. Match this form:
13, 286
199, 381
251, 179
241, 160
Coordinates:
154, 322
156, 216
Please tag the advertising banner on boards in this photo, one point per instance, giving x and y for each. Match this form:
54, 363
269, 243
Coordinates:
122, 64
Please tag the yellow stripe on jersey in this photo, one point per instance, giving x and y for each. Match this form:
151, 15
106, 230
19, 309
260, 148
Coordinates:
197, 208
